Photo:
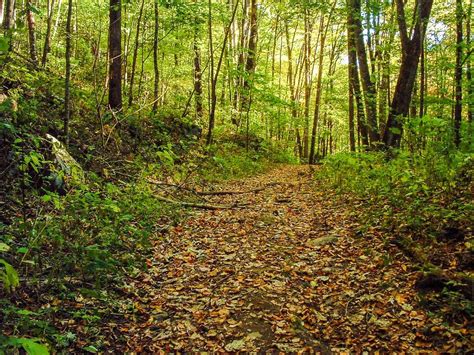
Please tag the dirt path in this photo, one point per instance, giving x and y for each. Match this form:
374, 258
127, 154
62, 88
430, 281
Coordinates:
286, 273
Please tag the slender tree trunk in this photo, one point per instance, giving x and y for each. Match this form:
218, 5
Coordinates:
354, 84
458, 73
354, 9
215, 76
212, 87
115, 55
291, 84
135, 54
47, 38
469, 76
67, 90
411, 49
352, 72
197, 73
307, 83
317, 105
30, 19
156, 69
8, 16
323, 33
422, 81
56, 23
2, 4
251, 57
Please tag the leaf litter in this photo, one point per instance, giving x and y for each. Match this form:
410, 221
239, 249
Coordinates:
286, 273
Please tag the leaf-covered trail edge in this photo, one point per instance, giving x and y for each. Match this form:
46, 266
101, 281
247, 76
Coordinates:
287, 272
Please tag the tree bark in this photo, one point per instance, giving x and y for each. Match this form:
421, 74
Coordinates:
470, 81
317, 104
307, 82
251, 57
135, 54
2, 4
115, 55
215, 76
197, 77
354, 9
156, 70
411, 49
67, 84
458, 74
47, 39
30, 19
8, 16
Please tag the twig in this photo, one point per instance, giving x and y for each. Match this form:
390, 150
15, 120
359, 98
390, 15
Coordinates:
229, 192
203, 206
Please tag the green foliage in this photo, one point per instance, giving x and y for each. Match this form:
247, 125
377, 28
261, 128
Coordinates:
229, 161
31, 346
426, 185
8, 274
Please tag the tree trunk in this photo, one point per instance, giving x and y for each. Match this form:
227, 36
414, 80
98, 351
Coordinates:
215, 76
323, 33
352, 72
47, 39
251, 58
317, 103
2, 4
8, 16
67, 84
422, 80
197, 74
354, 84
411, 49
470, 81
135, 54
354, 9
156, 70
458, 74
307, 82
30, 19
115, 56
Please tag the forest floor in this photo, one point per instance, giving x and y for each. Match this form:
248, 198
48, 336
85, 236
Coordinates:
287, 271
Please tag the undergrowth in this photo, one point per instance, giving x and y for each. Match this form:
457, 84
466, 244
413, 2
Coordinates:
424, 204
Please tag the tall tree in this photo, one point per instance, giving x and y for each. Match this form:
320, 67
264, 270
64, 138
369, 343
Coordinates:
458, 73
411, 49
135, 53
469, 76
156, 69
30, 20
8, 14
215, 74
370, 95
115, 55
49, 27
251, 57
197, 75
2, 4
67, 91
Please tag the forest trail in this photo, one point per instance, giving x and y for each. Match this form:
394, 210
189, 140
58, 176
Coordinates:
287, 272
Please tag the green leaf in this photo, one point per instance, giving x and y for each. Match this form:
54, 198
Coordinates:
8, 276
91, 349
29, 345
22, 250
4, 247
4, 44
395, 130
